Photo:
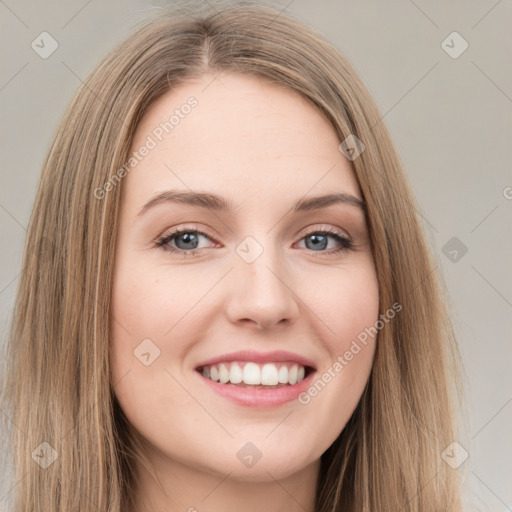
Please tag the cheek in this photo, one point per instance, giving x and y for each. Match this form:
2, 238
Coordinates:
348, 304
148, 302
348, 310
157, 315
143, 303
144, 309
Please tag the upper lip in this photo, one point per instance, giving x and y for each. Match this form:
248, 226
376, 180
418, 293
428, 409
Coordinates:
259, 357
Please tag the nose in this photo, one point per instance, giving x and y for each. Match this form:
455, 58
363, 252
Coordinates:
262, 292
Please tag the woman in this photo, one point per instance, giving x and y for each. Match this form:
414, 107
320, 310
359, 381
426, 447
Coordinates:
228, 301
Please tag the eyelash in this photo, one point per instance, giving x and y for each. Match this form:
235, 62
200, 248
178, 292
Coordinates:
163, 242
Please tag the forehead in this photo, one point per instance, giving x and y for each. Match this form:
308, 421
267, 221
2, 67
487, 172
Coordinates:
255, 138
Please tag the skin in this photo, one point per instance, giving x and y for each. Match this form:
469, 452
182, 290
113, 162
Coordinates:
262, 147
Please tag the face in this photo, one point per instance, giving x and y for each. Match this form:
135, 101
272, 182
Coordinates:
285, 286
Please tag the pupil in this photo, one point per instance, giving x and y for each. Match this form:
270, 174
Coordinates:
317, 239
188, 238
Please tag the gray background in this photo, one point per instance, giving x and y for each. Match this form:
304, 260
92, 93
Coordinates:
450, 118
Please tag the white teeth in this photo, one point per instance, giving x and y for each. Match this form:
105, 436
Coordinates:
214, 373
292, 374
282, 376
268, 374
251, 374
223, 373
235, 374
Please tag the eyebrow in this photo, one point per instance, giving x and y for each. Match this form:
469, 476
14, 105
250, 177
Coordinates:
217, 203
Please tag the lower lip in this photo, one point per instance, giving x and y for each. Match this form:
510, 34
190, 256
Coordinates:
259, 397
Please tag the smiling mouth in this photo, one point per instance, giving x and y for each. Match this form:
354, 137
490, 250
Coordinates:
246, 374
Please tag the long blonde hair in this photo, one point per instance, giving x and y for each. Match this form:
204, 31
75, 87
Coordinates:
57, 387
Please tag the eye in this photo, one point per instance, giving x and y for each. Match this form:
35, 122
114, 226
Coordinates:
186, 240
319, 240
